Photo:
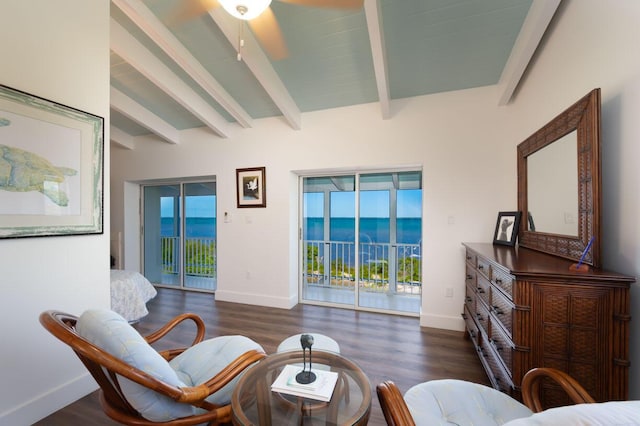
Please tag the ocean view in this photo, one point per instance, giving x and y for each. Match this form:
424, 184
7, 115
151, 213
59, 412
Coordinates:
374, 230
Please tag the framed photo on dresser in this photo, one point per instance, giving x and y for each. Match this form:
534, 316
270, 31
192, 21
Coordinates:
507, 226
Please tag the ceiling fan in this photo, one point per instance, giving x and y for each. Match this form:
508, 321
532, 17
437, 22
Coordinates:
259, 16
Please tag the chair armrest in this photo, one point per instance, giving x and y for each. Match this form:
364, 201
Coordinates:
531, 387
165, 329
394, 408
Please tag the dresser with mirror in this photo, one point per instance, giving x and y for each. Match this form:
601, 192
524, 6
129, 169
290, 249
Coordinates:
546, 302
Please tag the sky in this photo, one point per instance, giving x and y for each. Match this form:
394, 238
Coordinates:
373, 204
201, 206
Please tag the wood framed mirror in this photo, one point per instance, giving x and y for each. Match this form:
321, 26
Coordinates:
559, 184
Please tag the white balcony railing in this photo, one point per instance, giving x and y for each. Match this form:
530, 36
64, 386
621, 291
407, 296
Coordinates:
200, 256
384, 268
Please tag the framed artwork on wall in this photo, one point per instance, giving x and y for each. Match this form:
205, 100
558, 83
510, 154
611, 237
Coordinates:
51, 168
251, 187
507, 226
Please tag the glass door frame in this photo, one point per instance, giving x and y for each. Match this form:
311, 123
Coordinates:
357, 269
178, 208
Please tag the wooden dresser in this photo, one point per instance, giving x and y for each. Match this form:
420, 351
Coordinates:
525, 309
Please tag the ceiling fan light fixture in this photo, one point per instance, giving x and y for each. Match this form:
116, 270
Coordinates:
245, 9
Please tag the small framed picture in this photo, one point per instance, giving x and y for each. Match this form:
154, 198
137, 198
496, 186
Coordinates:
251, 187
507, 226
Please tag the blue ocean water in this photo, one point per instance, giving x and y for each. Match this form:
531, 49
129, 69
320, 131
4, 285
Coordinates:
375, 230
196, 227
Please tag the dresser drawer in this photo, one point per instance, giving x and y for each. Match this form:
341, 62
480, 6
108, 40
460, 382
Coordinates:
502, 309
503, 347
471, 326
470, 276
499, 377
483, 288
504, 281
482, 317
471, 258
470, 298
484, 267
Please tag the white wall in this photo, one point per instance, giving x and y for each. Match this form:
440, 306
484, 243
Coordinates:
60, 51
465, 143
421, 133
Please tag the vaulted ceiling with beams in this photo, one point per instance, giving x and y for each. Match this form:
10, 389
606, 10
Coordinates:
181, 64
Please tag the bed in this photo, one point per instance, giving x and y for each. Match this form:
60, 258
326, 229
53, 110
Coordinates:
130, 292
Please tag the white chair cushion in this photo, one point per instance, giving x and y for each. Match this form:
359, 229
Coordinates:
458, 402
604, 413
111, 332
201, 362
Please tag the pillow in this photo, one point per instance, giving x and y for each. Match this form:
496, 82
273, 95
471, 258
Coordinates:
201, 362
617, 413
111, 332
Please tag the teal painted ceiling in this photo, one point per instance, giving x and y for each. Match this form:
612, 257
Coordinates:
158, 63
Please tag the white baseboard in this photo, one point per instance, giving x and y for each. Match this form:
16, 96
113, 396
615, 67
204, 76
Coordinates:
455, 323
49, 402
256, 299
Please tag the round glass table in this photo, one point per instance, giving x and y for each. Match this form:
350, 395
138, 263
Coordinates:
254, 403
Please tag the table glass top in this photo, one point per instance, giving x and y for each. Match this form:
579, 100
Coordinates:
254, 403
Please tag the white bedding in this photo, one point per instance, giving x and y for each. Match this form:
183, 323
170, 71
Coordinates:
130, 292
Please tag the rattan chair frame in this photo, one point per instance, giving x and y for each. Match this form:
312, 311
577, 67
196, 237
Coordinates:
107, 370
396, 412
531, 385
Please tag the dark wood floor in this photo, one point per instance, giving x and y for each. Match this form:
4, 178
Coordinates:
385, 346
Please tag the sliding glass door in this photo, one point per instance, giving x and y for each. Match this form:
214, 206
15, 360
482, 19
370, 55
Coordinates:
179, 234
329, 239
361, 240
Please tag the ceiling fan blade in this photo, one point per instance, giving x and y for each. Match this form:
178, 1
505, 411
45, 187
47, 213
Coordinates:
266, 29
328, 4
190, 9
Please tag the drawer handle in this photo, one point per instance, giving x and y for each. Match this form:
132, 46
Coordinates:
481, 267
480, 290
497, 310
469, 277
495, 345
464, 316
479, 317
468, 299
498, 281
472, 334
468, 257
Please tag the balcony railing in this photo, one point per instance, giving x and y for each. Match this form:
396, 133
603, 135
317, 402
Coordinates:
200, 256
383, 267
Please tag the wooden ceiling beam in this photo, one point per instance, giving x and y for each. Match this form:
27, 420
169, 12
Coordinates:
145, 19
258, 63
147, 119
121, 138
132, 51
535, 25
378, 52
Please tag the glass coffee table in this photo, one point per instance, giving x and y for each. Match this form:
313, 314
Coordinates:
253, 402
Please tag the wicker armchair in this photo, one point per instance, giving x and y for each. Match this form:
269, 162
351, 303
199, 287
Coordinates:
488, 405
531, 387
113, 374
